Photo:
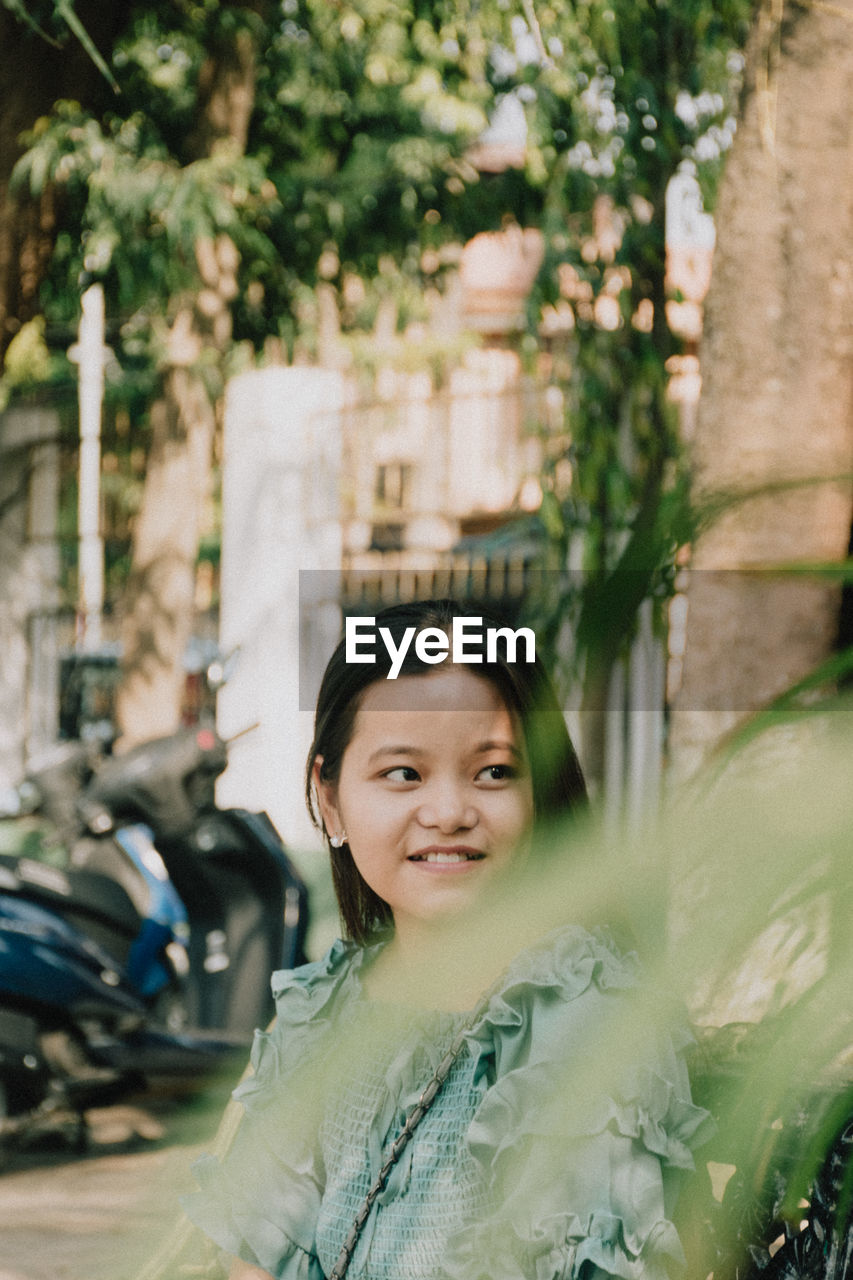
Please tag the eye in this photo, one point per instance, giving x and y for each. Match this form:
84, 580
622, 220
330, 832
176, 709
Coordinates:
402, 773
497, 773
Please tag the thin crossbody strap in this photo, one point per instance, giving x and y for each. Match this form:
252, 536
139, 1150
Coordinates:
399, 1145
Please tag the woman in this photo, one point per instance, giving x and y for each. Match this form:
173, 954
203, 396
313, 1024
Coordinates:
431, 789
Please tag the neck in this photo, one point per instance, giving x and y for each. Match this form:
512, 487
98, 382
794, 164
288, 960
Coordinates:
435, 966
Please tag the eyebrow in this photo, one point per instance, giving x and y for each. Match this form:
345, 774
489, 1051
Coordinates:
499, 744
392, 749
401, 749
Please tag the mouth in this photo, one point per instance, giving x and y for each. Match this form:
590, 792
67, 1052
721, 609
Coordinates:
454, 856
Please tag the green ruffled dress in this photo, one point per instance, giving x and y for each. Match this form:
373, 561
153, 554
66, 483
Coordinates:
528, 1166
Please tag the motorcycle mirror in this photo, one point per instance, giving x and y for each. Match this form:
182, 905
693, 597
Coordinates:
241, 733
216, 674
220, 670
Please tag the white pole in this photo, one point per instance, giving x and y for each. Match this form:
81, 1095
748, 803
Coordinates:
90, 354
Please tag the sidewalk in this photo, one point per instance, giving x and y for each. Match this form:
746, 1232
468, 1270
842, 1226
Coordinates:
98, 1216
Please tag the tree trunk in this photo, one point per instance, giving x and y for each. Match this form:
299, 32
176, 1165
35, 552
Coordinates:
159, 604
776, 410
160, 593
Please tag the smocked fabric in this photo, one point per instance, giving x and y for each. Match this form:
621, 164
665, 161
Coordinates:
533, 1163
436, 1177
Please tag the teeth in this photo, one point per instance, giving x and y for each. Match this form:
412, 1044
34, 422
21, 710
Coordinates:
435, 856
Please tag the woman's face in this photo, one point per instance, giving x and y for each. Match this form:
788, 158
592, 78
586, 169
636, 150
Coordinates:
434, 792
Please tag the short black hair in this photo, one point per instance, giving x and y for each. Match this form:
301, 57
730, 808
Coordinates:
526, 689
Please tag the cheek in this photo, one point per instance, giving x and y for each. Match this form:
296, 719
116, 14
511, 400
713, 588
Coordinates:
367, 816
513, 813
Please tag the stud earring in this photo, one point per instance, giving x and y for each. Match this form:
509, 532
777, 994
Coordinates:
337, 842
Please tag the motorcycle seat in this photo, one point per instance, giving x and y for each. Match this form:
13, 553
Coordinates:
70, 891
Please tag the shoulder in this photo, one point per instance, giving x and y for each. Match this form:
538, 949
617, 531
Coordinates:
571, 959
309, 1001
567, 978
579, 1042
301, 992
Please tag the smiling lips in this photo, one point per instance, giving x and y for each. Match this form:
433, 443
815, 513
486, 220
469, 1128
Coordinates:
447, 857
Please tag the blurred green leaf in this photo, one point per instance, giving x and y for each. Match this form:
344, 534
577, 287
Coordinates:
66, 11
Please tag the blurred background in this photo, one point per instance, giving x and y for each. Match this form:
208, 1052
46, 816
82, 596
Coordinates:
308, 307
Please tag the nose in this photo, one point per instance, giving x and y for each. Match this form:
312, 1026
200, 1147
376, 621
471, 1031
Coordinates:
447, 807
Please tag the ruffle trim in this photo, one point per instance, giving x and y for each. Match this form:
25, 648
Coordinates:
248, 1225
307, 1005
662, 1120
517, 1045
535, 1041
563, 964
557, 1248
630, 1138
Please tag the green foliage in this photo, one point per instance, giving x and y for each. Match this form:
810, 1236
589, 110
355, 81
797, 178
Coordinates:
140, 213
355, 159
24, 14
29, 837
59, 14
364, 112
631, 96
738, 895
29, 365
357, 172
752, 869
28, 360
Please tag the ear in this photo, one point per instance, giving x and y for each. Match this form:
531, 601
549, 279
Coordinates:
327, 799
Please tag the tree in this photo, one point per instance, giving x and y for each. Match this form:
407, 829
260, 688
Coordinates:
625, 99
351, 160
225, 184
122, 204
55, 67
614, 107
774, 441
157, 622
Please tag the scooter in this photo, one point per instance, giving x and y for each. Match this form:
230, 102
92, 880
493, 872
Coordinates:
82, 983
246, 903
153, 811
123, 963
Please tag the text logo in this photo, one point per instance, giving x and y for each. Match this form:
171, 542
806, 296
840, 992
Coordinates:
469, 641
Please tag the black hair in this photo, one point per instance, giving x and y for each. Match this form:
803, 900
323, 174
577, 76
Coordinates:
556, 777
